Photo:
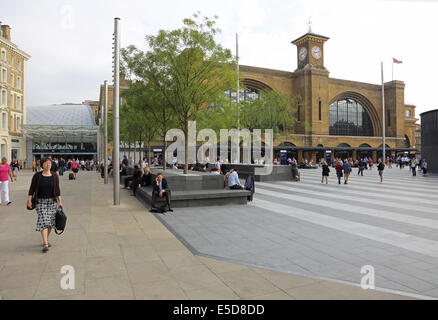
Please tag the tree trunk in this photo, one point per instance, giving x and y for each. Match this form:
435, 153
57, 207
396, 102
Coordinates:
148, 152
164, 152
186, 148
135, 152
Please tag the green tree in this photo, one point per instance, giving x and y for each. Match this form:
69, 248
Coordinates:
187, 67
149, 117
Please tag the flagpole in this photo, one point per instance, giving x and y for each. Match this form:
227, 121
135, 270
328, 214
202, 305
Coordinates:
392, 69
383, 117
238, 84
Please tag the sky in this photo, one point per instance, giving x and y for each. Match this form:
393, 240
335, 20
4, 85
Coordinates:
70, 41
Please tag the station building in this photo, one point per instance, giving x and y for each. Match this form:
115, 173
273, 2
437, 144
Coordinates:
338, 117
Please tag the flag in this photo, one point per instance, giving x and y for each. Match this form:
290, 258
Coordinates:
394, 60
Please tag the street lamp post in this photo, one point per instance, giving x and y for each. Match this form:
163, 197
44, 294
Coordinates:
105, 134
116, 141
383, 118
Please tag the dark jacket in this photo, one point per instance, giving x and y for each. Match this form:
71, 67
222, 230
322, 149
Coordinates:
381, 166
347, 167
33, 190
156, 188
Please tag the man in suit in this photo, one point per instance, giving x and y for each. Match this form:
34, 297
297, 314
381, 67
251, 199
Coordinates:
160, 189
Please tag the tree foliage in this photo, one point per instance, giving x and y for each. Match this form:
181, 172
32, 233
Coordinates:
186, 67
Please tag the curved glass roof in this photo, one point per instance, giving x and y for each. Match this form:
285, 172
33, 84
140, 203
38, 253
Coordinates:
72, 122
60, 115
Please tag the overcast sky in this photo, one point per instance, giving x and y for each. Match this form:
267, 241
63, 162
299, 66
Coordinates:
70, 41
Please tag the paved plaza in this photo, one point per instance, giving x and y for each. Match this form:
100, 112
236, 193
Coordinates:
329, 231
295, 241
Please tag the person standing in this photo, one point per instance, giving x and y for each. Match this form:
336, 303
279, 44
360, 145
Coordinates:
414, 167
61, 164
325, 172
5, 174
218, 164
361, 166
380, 168
339, 168
33, 165
424, 166
347, 170
45, 188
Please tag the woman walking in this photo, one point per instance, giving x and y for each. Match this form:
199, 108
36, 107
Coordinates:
74, 167
45, 189
15, 168
339, 167
5, 171
325, 172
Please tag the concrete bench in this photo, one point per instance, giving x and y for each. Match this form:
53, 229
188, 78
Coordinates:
198, 198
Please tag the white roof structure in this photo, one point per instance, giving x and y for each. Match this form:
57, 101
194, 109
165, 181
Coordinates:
61, 115
64, 121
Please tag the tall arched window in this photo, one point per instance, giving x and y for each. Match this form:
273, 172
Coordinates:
246, 94
349, 118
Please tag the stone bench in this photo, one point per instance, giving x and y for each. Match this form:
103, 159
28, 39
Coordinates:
195, 189
279, 172
198, 198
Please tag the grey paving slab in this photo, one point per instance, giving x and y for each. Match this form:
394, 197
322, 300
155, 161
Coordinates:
273, 235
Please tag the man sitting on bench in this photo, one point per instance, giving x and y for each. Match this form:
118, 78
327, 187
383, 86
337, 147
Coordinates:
233, 181
160, 189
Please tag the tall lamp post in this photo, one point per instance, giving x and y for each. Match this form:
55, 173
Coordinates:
383, 118
116, 141
105, 134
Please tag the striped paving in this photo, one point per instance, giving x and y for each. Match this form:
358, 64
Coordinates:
329, 231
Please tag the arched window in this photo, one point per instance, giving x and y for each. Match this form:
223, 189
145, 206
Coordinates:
349, 118
246, 94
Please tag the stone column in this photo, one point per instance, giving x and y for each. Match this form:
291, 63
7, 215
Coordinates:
354, 155
300, 155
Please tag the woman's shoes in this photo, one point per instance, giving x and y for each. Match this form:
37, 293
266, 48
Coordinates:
46, 248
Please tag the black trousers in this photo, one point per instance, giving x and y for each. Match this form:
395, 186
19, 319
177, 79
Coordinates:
135, 183
155, 196
236, 187
128, 180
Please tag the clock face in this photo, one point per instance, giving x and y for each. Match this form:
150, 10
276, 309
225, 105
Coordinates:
316, 52
303, 53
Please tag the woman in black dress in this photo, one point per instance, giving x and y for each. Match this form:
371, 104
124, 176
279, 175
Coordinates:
45, 187
325, 172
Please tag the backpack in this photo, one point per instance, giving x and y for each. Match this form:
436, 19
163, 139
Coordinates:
71, 176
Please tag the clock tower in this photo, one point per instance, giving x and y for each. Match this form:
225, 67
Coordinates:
310, 50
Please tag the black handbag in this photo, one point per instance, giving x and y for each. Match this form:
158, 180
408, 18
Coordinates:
33, 203
60, 221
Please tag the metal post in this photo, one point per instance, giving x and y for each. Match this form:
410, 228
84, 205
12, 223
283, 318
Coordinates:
238, 82
383, 117
116, 141
105, 134
98, 138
